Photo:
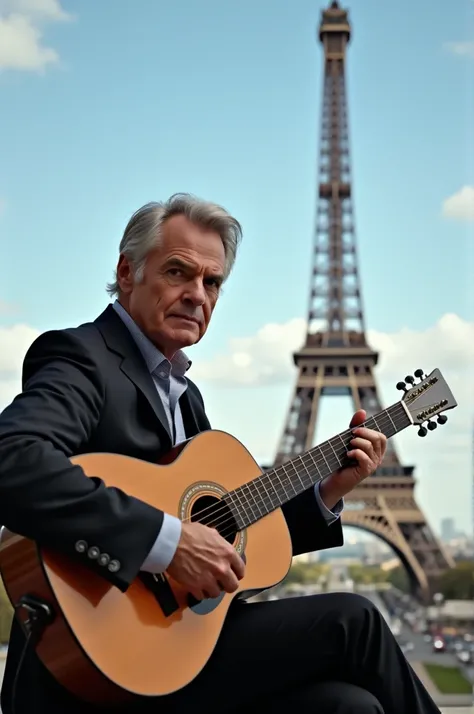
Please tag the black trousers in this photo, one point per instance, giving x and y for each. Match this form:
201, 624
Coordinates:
321, 654
299, 651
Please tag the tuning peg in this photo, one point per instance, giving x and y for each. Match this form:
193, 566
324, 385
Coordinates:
410, 379
419, 373
422, 431
432, 425
402, 386
442, 419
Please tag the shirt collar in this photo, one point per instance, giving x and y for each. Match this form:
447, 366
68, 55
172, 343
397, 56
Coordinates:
178, 365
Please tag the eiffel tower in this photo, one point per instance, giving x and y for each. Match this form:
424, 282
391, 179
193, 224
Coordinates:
336, 358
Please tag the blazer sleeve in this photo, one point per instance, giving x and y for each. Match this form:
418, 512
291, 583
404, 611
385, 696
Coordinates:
308, 528
46, 498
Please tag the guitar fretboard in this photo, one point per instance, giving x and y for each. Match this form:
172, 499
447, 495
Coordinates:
256, 499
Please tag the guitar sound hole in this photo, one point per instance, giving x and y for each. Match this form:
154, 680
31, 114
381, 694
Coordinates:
215, 513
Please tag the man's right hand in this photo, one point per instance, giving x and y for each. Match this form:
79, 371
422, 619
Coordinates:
204, 563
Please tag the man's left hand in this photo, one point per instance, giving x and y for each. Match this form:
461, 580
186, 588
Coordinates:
367, 451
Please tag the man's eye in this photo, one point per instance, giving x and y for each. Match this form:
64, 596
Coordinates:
175, 271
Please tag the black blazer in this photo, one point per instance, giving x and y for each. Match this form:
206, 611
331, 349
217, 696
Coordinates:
87, 389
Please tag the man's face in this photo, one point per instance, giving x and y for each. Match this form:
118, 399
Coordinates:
174, 302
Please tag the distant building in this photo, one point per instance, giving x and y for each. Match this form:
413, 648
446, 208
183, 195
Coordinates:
448, 530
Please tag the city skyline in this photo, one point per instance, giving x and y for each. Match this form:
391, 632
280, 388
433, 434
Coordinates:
102, 114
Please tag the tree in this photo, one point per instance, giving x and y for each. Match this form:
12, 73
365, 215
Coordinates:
367, 574
458, 582
398, 577
305, 573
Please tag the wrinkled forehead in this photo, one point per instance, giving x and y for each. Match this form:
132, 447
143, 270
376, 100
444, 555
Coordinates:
191, 267
182, 240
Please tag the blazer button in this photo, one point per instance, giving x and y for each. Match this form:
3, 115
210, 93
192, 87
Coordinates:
81, 546
113, 566
93, 552
104, 559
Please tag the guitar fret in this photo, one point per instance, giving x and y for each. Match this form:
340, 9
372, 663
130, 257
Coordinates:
246, 486
392, 422
322, 454
344, 445
336, 456
305, 468
288, 479
259, 503
315, 463
298, 475
375, 422
268, 483
307, 474
266, 491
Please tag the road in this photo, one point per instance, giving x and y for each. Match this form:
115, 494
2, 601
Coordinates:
422, 652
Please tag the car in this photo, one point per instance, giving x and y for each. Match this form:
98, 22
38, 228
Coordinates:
439, 645
406, 646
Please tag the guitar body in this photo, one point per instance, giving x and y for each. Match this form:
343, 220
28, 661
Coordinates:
106, 646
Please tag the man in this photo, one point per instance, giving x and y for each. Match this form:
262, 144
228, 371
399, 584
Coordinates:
120, 384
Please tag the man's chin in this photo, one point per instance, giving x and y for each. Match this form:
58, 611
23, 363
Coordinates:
186, 336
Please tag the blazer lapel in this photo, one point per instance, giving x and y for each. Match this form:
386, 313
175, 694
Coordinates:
190, 422
142, 379
194, 417
119, 340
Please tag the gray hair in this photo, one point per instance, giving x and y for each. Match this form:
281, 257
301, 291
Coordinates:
143, 230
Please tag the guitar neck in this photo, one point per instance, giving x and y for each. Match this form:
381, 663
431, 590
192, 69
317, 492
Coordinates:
272, 489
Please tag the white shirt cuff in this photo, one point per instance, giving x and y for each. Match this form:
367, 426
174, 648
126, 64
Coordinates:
329, 516
164, 548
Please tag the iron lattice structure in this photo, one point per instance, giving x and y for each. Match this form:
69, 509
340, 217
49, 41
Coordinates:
336, 358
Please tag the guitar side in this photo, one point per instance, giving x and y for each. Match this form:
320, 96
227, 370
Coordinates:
105, 645
23, 574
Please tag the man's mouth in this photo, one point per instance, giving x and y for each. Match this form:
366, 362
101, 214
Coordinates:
186, 318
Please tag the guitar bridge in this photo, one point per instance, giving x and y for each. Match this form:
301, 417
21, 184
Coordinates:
159, 586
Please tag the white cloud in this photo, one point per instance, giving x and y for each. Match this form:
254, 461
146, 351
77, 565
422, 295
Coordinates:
21, 33
449, 343
266, 357
460, 206
462, 49
15, 342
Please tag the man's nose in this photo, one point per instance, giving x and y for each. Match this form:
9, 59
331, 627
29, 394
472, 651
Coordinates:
196, 292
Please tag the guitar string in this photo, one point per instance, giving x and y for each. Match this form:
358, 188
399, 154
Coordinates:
281, 470
286, 480
228, 518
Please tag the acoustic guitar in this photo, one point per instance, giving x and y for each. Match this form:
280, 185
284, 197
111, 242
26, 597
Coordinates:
106, 646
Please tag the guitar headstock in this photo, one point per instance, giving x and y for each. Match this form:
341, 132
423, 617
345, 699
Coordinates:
427, 398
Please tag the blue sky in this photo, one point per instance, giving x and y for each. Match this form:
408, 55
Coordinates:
222, 99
